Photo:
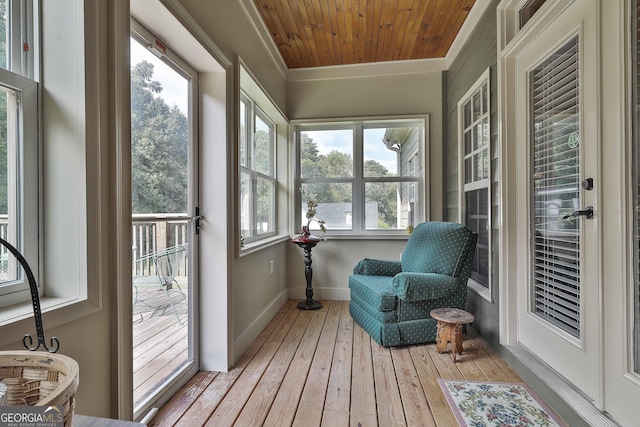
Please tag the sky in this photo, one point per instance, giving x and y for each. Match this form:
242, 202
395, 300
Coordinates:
174, 86
175, 92
342, 141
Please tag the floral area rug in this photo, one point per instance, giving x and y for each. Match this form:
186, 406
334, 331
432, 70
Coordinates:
489, 404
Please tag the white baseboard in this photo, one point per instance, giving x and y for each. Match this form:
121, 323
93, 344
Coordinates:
574, 407
249, 335
335, 294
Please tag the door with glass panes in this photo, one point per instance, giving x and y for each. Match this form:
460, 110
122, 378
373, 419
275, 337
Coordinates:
164, 220
559, 316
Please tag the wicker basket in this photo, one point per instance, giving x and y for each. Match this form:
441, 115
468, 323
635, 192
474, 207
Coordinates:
37, 378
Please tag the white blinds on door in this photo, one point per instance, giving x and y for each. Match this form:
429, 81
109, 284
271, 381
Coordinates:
555, 139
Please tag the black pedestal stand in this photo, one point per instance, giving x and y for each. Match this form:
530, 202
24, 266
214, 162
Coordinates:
307, 243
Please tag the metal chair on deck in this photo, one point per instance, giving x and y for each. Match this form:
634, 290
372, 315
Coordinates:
166, 264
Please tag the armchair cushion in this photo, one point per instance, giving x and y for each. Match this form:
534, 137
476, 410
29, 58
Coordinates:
377, 291
423, 286
437, 247
377, 267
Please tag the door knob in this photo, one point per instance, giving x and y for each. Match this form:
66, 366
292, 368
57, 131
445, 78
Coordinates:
587, 213
196, 219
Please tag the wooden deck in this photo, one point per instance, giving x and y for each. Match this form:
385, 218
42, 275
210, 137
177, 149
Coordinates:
312, 368
159, 341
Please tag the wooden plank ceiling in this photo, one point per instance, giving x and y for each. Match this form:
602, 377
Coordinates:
316, 33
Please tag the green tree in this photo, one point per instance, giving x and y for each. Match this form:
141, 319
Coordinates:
159, 147
336, 164
383, 193
310, 165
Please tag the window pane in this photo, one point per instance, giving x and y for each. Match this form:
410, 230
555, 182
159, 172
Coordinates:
477, 106
326, 153
334, 205
467, 114
528, 10
246, 196
387, 205
485, 99
484, 132
265, 203
387, 151
476, 218
477, 136
242, 142
479, 163
263, 152
390, 205
9, 179
468, 140
159, 135
382, 152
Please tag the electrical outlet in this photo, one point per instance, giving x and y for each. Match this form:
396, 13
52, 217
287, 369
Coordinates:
271, 266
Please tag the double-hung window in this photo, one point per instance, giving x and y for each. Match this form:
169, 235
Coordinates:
367, 176
257, 172
18, 146
475, 177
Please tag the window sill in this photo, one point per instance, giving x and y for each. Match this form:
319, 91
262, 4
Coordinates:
252, 247
481, 290
367, 236
18, 320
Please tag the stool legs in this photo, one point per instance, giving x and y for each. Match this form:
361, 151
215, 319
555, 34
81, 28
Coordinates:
449, 332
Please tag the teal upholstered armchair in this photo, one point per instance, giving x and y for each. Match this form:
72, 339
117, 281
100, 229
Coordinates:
392, 300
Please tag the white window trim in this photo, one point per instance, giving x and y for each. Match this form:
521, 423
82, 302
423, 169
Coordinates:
73, 287
359, 230
485, 292
252, 112
25, 162
247, 83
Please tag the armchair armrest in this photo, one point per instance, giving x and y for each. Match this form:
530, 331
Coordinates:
423, 286
377, 267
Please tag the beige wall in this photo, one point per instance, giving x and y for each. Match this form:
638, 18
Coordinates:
228, 25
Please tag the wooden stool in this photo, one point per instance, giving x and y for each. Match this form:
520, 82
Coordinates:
450, 321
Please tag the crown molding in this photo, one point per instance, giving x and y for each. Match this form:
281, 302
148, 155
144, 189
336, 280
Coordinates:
263, 33
412, 66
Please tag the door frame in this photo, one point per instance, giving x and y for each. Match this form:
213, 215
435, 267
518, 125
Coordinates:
511, 42
215, 99
621, 386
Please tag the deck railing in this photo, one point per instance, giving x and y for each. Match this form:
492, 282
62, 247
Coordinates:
153, 234
150, 234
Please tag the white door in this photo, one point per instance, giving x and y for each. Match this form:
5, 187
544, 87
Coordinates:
557, 137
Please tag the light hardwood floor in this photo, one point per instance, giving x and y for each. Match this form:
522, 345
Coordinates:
312, 368
159, 340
